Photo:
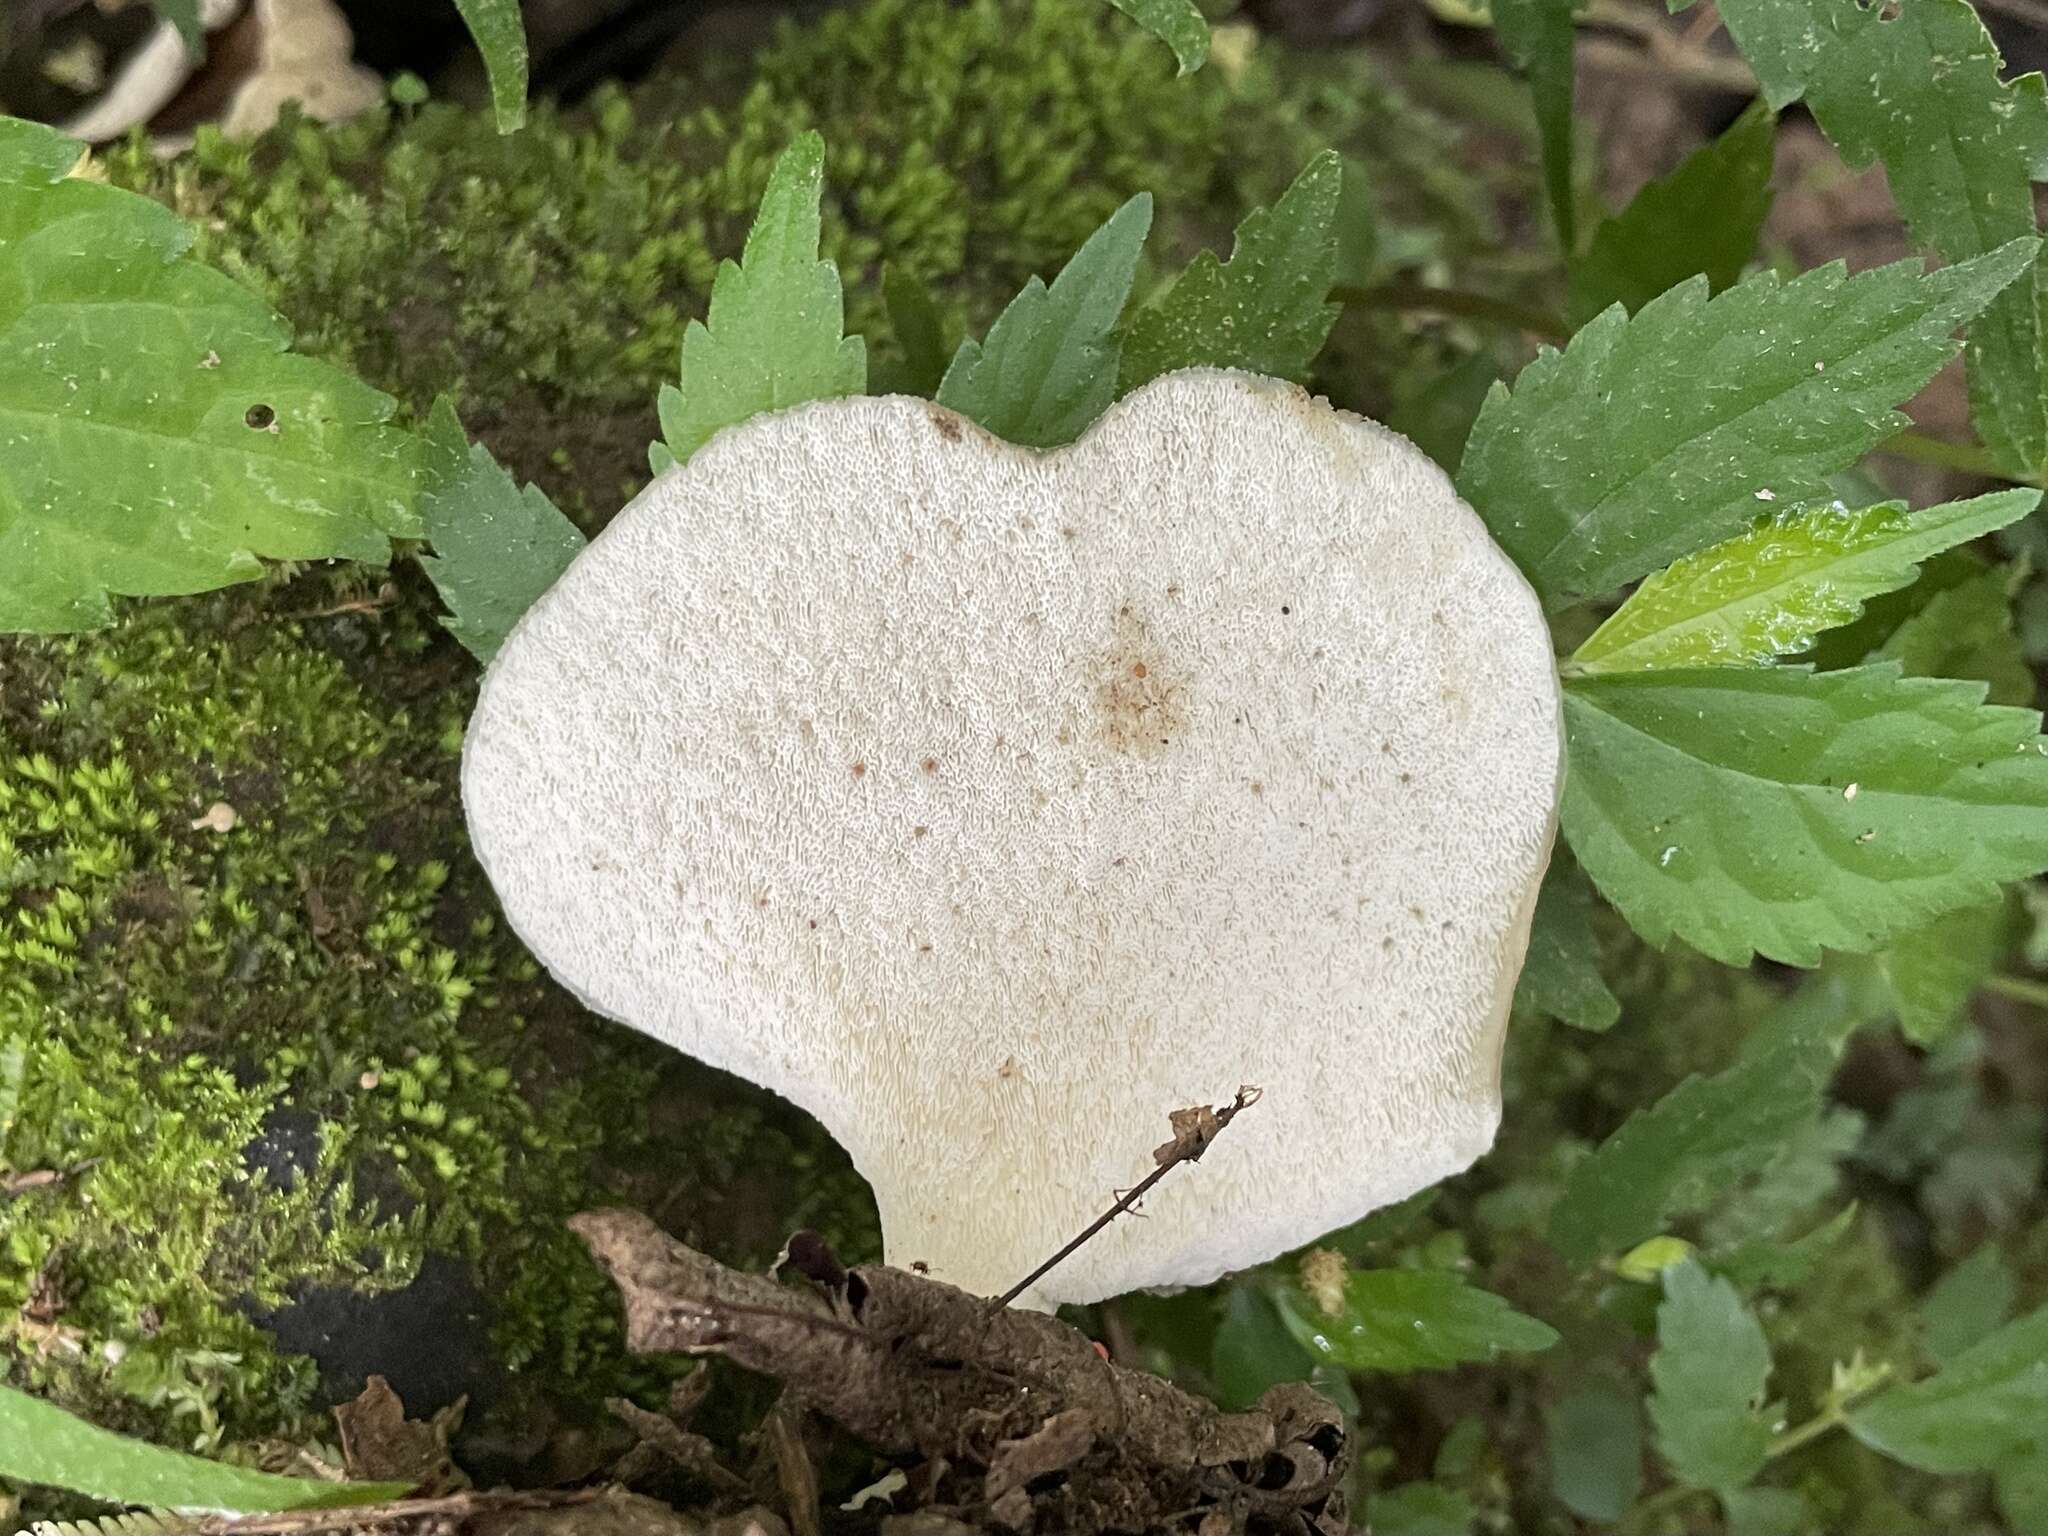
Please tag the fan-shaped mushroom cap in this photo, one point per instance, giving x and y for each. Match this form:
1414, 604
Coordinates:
992, 804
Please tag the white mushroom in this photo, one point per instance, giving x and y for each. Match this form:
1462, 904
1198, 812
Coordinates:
991, 804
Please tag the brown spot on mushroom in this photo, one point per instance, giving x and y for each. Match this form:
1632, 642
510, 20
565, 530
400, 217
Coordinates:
919, 831
947, 423
931, 765
859, 769
1141, 703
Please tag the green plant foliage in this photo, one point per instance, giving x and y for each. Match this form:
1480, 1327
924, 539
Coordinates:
1765, 1512
1048, 366
1595, 1440
1537, 35
1703, 219
775, 335
1422, 1509
500, 34
1696, 1142
1267, 309
184, 15
1177, 23
207, 450
1920, 92
1988, 1403
1966, 631
1253, 1350
1968, 1304
1407, 1320
919, 330
1779, 811
13, 1068
1932, 970
1561, 974
1628, 449
1709, 1373
1768, 592
496, 547
42, 1444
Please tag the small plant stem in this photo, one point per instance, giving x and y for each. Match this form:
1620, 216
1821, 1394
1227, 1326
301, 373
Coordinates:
1832, 1417
2021, 989
1966, 457
1424, 299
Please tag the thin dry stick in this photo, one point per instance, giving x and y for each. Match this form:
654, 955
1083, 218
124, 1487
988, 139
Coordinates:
1189, 1143
454, 1506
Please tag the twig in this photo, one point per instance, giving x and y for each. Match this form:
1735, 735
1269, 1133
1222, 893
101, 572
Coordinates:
43, 1178
1424, 299
1969, 458
299, 1522
2021, 989
1191, 1140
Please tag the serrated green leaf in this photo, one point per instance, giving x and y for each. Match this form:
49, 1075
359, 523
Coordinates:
1267, 310
40, 1443
1253, 1350
184, 15
1986, 1404
919, 328
500, 34
1933, 969
1967, 632
155, 435
1685, 1151
1780, 811
1761, 1262
496, 547
1648, 438
1595, 1439
1422, 1509
774, 336
1805, 1168
1561, 977
1409, 1319
1769, 591
1537, 35
1049, 365
1703, 219
1917, 88
1708, 1378
1179, 24
1765, 1512
1968, 1304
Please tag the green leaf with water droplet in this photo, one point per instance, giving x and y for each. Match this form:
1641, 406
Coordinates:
1267, 310
1179, 24
156, 437
1648, 438
1708, 1378
1986, 1404
1781, 811
1916, 87
1770, 590
1409, 1319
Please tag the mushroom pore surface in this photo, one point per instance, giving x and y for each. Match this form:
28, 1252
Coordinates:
991, 804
